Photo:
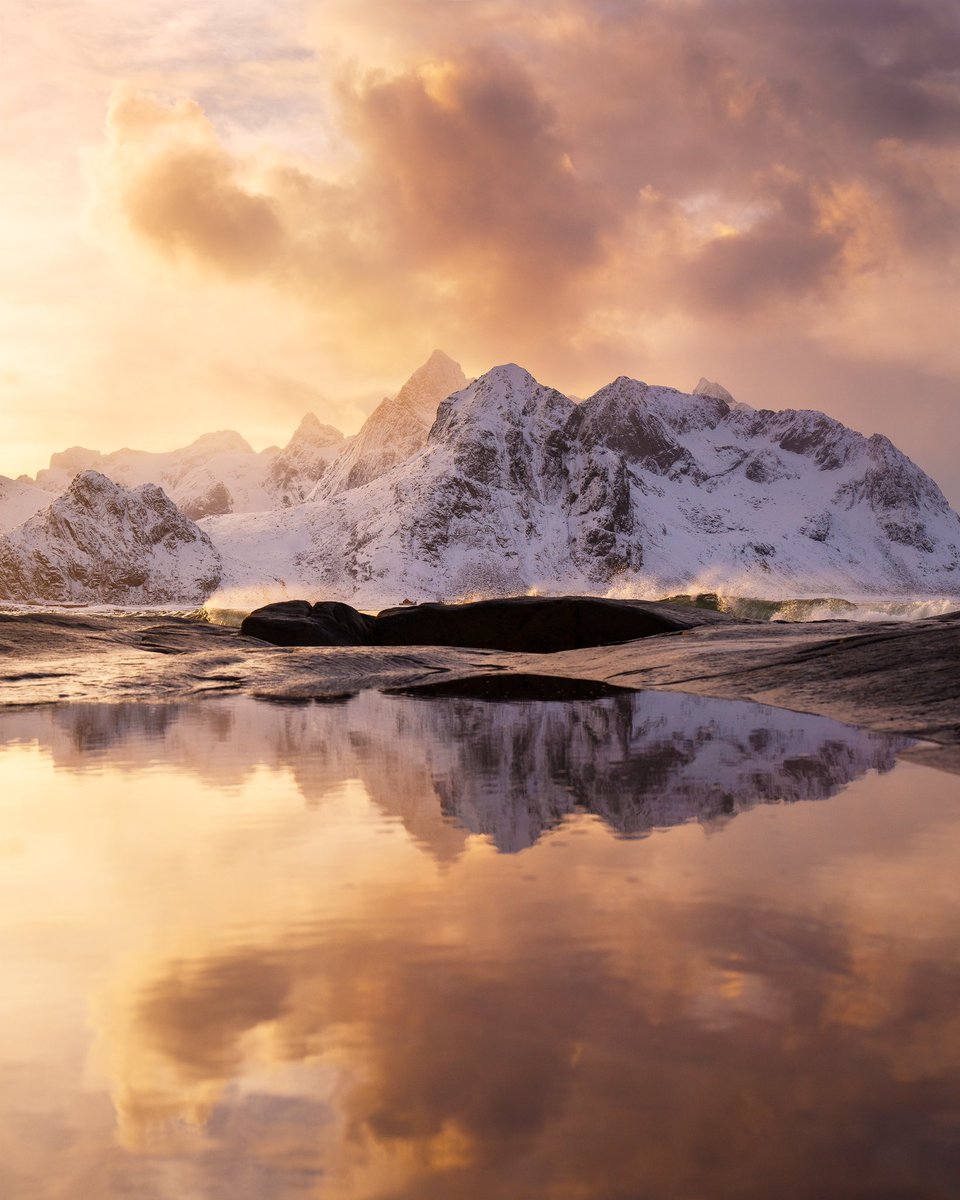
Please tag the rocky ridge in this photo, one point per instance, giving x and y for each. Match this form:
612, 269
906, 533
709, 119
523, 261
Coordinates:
504, 486
637, 489
100, 542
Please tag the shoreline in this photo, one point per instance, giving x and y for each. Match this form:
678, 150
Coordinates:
898, 677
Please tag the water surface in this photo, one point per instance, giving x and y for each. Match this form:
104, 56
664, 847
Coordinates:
648, 946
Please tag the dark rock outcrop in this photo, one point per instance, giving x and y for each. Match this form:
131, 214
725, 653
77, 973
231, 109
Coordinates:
300, 623
528, 624
531, 624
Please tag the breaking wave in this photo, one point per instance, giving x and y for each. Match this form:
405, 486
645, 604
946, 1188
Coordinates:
823, 608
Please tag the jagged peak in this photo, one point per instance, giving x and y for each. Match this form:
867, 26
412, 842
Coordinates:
89, 482
506, 394
716, 391
681, 411
506, 382
312, 431
511, 373
439, 359
430, 383
93, 486
623, 387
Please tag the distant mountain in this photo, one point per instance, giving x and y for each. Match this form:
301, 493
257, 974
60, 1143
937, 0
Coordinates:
294, 472
102, 543
218, 473
20, 499
636, 488
395, 430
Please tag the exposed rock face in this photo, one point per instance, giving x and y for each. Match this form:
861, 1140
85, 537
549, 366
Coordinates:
396, 429
638, 487
529, 624
102, 543
214, 503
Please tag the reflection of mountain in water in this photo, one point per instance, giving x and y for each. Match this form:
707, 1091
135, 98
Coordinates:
639, 761
511, 771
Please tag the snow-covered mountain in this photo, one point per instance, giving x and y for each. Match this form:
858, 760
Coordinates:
502, 485
294, 472
637, 489
100, 542
218, 473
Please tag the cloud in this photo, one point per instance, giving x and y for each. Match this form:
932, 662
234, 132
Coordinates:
465, 163
178, 188
716, 1042
492, 185
464, 208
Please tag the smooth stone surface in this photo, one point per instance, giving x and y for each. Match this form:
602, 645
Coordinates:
300, 623
524, 624
520, 624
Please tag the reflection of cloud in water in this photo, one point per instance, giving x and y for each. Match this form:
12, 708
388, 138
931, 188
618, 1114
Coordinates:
569, 1041
639, 761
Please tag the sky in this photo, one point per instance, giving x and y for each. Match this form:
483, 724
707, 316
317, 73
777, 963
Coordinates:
224, 213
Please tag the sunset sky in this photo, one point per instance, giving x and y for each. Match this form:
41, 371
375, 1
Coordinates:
222, 213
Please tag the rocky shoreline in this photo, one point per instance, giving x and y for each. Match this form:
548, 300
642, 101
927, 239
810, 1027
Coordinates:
896, 677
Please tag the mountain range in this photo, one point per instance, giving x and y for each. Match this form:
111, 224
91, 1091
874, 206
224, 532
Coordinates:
496, 486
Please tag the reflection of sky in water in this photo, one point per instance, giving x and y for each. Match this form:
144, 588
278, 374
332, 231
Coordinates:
274, 951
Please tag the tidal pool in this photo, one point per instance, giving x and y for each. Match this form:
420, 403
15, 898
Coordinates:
651, 946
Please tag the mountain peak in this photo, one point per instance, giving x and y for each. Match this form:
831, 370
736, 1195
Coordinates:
715, 391
311, 431
430, 383
101, 542
512, 374
439, 359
